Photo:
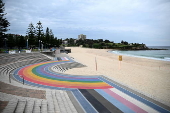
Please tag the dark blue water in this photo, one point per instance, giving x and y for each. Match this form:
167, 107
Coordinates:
151, 54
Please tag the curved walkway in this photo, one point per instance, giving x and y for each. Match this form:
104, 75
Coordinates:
40, 75
93, 93
26, 101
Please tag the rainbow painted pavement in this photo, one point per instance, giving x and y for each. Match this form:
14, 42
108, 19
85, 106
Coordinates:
93, 93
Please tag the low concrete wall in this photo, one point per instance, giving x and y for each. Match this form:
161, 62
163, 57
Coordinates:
52, 53
49, 53
65, 51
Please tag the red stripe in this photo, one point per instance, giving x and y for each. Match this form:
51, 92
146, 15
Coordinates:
65, 85
125, 102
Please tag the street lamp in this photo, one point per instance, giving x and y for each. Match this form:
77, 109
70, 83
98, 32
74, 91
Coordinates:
39, 44
42, 46
27, 43
5, 43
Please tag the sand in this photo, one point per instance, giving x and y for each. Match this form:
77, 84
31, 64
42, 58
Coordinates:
147, 76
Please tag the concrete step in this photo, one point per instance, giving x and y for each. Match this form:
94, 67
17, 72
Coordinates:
21, 106
65, 102
56, 103
29, 106
10, 108
44, 106
50, 106
37, 106
50, 102
60, 101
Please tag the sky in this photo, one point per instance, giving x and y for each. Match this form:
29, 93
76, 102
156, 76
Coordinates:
134, 21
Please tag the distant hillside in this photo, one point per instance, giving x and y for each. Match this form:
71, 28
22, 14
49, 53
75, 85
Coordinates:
104, 44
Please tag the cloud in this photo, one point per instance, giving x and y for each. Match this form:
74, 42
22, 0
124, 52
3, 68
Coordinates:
110, 17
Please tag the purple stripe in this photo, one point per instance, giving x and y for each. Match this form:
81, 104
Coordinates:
61, 76
62, 58
125, 102
66, 58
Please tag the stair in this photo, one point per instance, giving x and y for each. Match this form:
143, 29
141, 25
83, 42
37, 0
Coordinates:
26, 106
62, 102
37, 106
44, 106
57, 101
50, 103
21, 106
29, 106
10, 108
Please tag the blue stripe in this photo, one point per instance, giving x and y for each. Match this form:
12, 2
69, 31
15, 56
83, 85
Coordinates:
84, 103
47, 69
62, 58
152, 105
114, 101
62, 77
70, 59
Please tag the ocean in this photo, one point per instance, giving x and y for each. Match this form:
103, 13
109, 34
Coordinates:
150, 54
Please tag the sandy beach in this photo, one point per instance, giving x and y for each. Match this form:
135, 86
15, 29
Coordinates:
147, 76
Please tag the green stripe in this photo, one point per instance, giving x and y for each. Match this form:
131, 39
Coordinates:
36, 73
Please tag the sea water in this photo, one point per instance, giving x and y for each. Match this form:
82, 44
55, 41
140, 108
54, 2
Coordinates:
151, 54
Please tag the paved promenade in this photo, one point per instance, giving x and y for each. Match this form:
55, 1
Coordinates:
48, 89
18, 91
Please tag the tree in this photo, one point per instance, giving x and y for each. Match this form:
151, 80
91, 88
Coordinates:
51, 37
39, 32
11, 41
107, 41
31, 32
56, 42
21, 42
4, 24
124, 42
97, 45
71, 41
79, 42
60, 41
47, 36
100, 40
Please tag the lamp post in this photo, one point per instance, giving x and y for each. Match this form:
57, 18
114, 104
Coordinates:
5, 43
45, 45
27, 43
39, 44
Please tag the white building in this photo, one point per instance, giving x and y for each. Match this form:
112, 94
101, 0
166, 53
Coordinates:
81, 36
65, 42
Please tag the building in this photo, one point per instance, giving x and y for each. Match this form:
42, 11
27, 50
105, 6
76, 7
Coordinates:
82, 37
65, 42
